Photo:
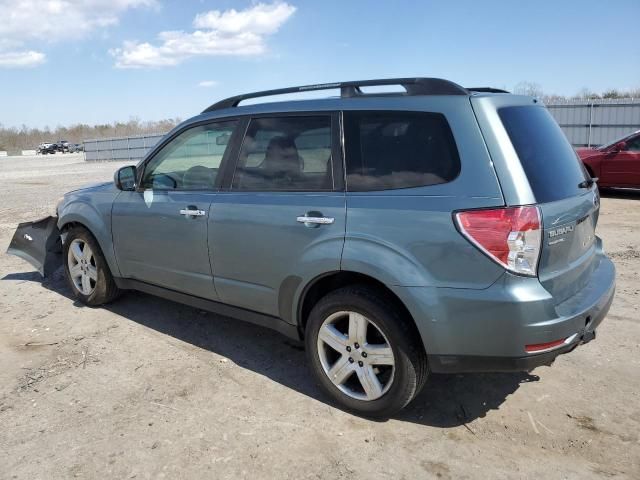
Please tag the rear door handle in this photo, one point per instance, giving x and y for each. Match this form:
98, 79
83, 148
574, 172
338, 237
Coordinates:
192, 212
315, 220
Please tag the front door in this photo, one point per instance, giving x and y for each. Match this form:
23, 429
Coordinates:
283, 216
160, 230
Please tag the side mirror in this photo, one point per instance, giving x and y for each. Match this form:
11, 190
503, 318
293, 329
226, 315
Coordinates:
125, 178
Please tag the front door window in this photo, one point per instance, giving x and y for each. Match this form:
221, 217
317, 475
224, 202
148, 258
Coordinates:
190, 161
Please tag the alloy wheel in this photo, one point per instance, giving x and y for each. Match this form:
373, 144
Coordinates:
355, 355
82, 266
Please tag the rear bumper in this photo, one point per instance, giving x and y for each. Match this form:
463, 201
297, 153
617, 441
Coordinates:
487, 330
471, 363
39, 244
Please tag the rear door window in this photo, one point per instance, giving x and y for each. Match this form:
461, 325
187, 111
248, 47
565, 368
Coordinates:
286, 154
392, 150
548, 159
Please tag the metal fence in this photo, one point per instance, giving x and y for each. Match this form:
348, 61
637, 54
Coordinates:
591, 123
585, 123
123, 148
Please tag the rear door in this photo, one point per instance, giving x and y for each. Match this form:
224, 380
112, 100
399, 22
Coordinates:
569, 207
160, 230
282, 216
623, 168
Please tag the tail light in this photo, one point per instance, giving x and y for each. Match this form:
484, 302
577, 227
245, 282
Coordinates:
511, 236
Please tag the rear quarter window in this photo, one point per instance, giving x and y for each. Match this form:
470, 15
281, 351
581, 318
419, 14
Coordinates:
548, 159
393, 150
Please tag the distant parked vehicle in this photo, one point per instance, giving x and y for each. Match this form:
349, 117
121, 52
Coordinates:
46, 148
76, 147
616, 164
62, 146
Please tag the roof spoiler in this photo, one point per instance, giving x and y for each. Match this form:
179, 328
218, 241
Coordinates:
486, 90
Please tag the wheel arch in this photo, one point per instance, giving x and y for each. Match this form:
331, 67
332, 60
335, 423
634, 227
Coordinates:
66, 226
90, 220
331, 281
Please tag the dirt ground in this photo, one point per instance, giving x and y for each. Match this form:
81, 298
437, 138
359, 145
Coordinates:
147, 388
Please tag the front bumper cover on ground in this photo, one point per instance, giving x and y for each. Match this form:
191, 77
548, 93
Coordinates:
39, 244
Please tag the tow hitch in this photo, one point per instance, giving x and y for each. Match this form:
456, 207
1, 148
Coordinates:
39, 244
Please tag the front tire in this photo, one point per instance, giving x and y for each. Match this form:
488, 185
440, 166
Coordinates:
364, 352
86, 269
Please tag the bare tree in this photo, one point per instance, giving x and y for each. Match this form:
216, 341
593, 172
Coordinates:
531, 89
14, 139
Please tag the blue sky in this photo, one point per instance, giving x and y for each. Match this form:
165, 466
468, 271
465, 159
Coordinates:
69, 61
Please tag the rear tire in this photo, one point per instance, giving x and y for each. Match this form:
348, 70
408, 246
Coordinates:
374, 377
86, 269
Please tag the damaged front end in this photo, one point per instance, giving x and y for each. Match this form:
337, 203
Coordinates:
39, 244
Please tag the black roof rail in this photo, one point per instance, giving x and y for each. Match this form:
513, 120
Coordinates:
413, 86
487, 90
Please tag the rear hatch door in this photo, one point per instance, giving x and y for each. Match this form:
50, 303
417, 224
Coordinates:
563, 191
568, 244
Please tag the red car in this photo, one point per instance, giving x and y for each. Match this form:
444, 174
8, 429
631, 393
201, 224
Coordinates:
616, 164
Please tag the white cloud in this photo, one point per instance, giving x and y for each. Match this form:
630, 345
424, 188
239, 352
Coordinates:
21, 59
207, 83
261, 19
231, 32
24, 22
54, 20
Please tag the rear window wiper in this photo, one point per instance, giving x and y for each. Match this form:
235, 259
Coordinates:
588, 183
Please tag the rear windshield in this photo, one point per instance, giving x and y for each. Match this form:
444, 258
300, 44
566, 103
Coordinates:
551, 164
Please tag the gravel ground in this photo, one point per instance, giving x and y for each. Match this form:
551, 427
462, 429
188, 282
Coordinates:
147, 388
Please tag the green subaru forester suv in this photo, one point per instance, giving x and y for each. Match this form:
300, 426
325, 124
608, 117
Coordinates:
432, 229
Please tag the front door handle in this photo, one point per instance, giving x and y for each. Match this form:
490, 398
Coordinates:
309, 220
192, 212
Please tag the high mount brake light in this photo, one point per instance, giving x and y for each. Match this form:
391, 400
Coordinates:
511, 236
